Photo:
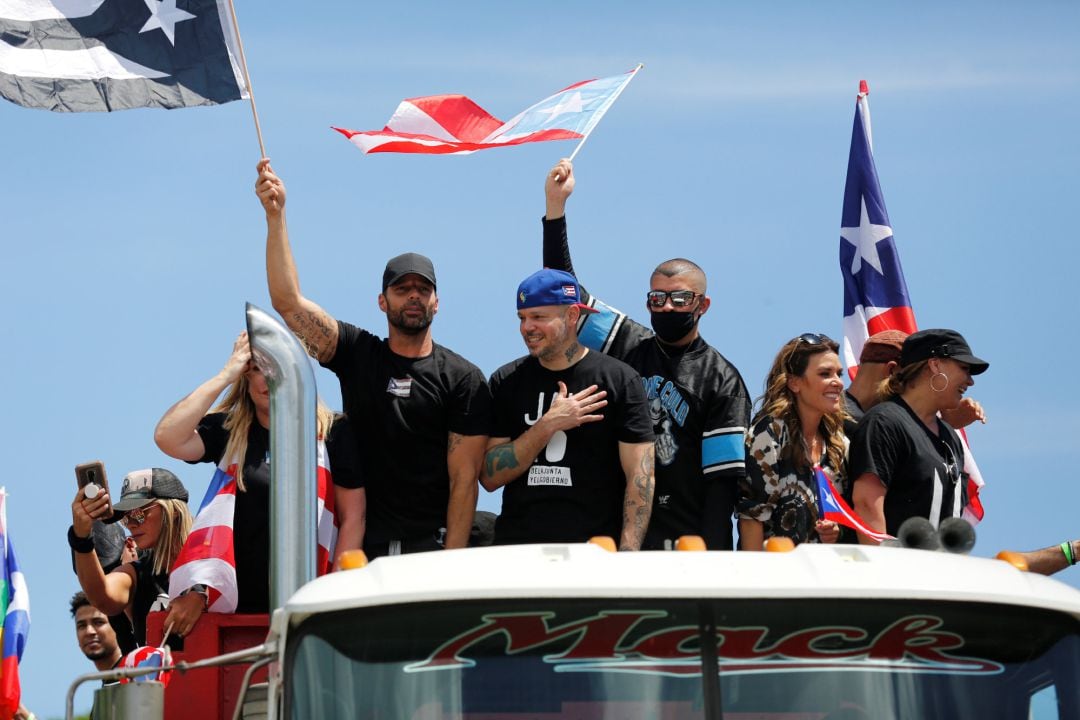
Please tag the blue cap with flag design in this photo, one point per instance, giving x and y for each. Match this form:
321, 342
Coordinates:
550, 287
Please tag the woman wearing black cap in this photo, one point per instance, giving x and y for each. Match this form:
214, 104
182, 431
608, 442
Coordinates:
905, 459
153, 504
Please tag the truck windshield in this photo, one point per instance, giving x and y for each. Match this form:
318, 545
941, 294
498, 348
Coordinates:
764, 659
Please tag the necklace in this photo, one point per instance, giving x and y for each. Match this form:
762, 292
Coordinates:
811, 456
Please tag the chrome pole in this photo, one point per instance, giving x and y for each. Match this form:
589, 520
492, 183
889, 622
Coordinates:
291, 382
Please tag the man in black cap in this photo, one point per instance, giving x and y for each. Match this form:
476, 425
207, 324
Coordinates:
572, 441
906, 460
420, 411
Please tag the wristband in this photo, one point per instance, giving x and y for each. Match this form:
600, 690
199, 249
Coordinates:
80, 544
1066, 548
201, 590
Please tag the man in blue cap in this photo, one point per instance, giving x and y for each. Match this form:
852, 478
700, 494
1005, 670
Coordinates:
571, 442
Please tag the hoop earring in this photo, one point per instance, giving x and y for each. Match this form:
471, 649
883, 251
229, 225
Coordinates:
944, 387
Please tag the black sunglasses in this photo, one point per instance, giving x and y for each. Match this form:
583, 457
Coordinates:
815, 339
679, 298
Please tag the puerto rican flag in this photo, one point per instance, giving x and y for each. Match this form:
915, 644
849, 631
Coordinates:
148, 657
875, 293
454, 124
208, 556
14, 617
831, 506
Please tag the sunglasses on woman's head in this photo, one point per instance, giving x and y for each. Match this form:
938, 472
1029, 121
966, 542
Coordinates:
136, 517
814, 339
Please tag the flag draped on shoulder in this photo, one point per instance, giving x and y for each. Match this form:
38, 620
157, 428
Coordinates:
208, 556
454, 124
14, 617
103, 55
831, 506
875, 294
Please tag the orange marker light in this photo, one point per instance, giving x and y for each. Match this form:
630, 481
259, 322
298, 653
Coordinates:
352, 560
690, 543
1015, 559
605, 542
779, 544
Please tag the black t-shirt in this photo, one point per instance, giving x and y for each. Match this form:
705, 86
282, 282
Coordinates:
575, 488
922, 472
855, 411
148, 588
251, 516
402, 410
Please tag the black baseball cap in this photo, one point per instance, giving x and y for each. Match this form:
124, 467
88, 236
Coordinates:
940, 343
407, 264
142, 486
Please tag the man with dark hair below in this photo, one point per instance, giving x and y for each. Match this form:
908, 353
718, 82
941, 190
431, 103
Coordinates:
698, 401
572, 443
878, 360
419, 411
96, 637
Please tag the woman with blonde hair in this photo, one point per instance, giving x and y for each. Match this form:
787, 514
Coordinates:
153, 507
238, 428
907, 461
799, 426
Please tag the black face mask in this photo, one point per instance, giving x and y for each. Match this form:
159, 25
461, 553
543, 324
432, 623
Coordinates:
671, 327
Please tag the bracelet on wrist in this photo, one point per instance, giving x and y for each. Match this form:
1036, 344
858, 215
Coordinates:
1068, 552
79, 544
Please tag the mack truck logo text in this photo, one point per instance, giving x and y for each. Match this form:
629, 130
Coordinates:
600, 643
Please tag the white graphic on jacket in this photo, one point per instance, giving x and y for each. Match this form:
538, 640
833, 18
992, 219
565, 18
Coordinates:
666, 405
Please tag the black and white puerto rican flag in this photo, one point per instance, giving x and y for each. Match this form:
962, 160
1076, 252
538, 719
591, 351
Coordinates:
104, 55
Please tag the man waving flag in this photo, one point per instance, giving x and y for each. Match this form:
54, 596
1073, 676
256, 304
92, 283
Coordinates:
86, 55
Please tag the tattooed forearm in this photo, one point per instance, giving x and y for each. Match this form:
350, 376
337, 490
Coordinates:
500, 457
314, 331
452, 441
572, 351
637, 505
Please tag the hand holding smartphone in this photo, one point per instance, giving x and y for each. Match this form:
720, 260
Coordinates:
91, 479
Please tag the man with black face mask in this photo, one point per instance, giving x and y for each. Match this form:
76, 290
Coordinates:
699, 403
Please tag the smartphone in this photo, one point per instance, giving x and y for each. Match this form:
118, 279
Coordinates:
91, 472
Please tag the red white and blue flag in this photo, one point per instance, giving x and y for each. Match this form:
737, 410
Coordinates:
831, 506
148, 657
875, 293
454, 124
14, 617
208, 556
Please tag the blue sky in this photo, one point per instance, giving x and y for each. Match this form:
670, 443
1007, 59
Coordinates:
131, 241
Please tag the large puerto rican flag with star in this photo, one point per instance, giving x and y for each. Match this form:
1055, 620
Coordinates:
87, 55
455, 125
875, 294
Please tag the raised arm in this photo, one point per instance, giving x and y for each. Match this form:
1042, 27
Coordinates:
464, 454
507, 459
176, 433
110, 593
313, 325
558, 186
637, 463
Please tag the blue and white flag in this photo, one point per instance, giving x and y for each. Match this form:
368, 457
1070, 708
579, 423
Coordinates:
104, 55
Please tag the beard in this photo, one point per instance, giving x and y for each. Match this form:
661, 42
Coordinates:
410, 325
94, 655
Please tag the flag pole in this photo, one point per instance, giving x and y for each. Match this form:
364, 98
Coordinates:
247, 80
611, 102
864, 108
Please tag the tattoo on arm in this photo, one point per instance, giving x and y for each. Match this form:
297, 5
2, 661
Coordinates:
314, 331
637, 511
572, 351
500, 457
452, 441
